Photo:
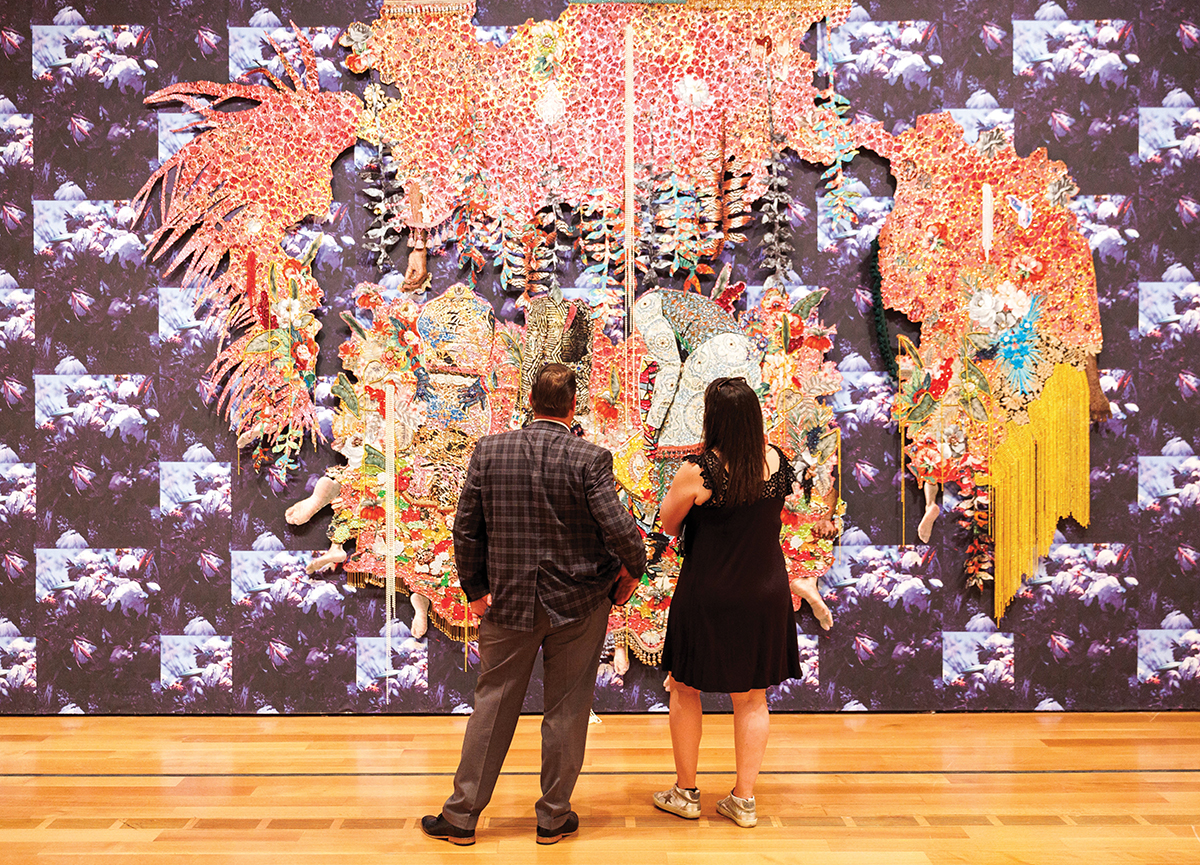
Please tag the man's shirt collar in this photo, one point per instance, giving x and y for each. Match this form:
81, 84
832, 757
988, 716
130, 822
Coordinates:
551, 420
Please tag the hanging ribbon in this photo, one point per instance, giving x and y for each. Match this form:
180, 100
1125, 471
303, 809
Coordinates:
389, 511
988, 219
630, 206
629, 400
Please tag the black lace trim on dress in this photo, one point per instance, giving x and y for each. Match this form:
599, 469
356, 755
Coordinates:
712, 475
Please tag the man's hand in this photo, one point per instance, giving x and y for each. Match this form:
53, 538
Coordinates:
479, 606
623, 587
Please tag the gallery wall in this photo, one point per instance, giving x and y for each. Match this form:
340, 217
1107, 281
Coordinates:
148, 568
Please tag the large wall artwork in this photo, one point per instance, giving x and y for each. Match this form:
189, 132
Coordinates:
269, 271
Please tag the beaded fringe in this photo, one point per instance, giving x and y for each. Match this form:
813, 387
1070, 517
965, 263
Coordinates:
651, 656
458, 631
1040, 474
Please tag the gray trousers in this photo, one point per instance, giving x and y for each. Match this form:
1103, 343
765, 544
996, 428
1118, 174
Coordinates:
570, 655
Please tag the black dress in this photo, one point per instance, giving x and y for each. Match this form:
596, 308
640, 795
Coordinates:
731, 627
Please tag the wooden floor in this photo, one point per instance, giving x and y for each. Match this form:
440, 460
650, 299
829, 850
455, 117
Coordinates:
889, 789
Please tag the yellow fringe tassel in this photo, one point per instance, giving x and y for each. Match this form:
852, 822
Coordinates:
1040, 474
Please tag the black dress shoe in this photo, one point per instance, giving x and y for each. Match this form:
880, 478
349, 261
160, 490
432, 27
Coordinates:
439, 827
552, 836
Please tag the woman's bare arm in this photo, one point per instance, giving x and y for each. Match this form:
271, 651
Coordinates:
686, 487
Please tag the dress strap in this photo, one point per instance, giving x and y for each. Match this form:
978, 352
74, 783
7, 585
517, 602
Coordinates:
711, 475
781, 480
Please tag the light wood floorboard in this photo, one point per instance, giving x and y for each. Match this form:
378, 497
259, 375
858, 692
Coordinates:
838, 789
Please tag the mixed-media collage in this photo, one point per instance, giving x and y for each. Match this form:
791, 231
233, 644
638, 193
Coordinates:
269, 270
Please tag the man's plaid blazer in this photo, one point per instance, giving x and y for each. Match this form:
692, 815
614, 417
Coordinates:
539, 518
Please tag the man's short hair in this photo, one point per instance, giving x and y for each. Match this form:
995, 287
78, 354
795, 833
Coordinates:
553, 391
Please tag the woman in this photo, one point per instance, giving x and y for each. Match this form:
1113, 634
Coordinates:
730, 627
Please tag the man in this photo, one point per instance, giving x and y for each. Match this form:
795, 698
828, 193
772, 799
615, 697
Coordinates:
539, 540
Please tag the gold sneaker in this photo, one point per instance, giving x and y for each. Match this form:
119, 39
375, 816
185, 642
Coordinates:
682, 803
740, 811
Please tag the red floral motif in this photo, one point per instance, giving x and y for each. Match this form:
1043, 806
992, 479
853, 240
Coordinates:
941, 381
818, 342
378, 396
576, 65
235, 192
291, 269
304, 353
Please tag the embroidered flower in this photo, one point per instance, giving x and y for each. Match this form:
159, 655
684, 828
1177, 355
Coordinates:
1027, 267
1019, 352
439, 563
289, 311
935, 236
547, 51
999, 310
291, 269
301, 354
940, 382
982, 309
954, 442
1011, 305
378, 396
777, 370
1061, 190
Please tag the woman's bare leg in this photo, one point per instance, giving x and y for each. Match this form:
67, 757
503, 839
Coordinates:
687, 723
751, 724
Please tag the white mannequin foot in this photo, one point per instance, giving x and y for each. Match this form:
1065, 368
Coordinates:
925, 527
807, 590
420, 623
621, 660
327, 561
823, 614
302, 511
325, 491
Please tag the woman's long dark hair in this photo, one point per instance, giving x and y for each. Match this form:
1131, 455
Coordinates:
733, 427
